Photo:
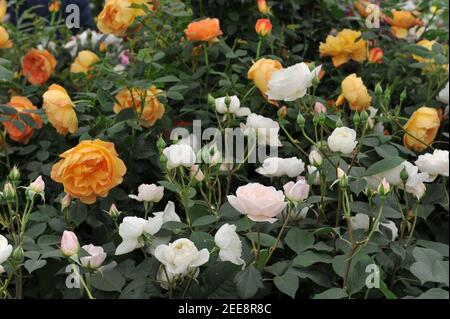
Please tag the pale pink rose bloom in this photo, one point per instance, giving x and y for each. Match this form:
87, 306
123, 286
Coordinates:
96, 256
197, 173
297, 192
260, 203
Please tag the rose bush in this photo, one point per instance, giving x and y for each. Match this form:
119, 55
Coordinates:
341, 125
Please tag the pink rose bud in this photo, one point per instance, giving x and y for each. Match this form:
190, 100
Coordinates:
114, 212
197, 173
124, 58
38, 186
315, 158
66, 201
320, 108
297, 192
69, 244
95, 258
384, 187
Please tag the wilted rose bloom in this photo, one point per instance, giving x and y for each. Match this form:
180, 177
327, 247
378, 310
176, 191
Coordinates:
95, 258
344, 47
146, 103
277, 167
5, 42
59, 109
376, 55
265, 129
263, 27
179, 155
360, 221
38, 66
169, 214
204, 30
132, 228
230, 245
149, 193
90, 169
69, 244
260, 203
421, 129
355, 92
5, 251
343, 139
401, 22
434, 164
291, 83
261, 72
22, 105
84, 62
298, 191
181, 257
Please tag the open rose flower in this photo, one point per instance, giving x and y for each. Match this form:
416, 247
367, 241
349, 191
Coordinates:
343, 139
260, 203
179, 155
59, 109
401, 21
230, 245
421, 129
118, 15
355, 92
5, 251
96, 256
149, 193
89, 170
347, 45
261, 72
23, 106
265, 129
204, 30
434, 164
277, 167
84, 62
38, 66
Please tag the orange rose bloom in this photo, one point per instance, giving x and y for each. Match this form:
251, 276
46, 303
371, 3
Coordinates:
344, 47
23, 106
5, 42
84, 61
376, 55
90, 169
261, 71
38, 66
204, 30
421, 128
148, 107
117, 16
401, 22
59, 109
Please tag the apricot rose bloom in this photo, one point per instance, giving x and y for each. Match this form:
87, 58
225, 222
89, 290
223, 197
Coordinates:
430, 63
117, 16
344, 47
355, 92
146, 102
206, 30
261, 71
84, 62
401, 22
421, 128
89, 170
3, 8
59, 109
23, 106
5, 42
376, 55
38, 66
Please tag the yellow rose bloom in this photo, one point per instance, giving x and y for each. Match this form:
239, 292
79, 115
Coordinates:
261, 71
344, 47
59, 109
89, 170
117, 16
355, 92
5, 42
427, 44
421, 129
84, 61
146, 102
3, 7
401, 22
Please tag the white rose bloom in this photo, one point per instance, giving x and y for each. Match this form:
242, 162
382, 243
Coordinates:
169, 214
314, 171
291, 83
230, 245
5, 251
277, 167
234, 107
149, 193
181, 257
265, 128
131, 230
179, 155
343, 139
443, 95
190, 140
434, 164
